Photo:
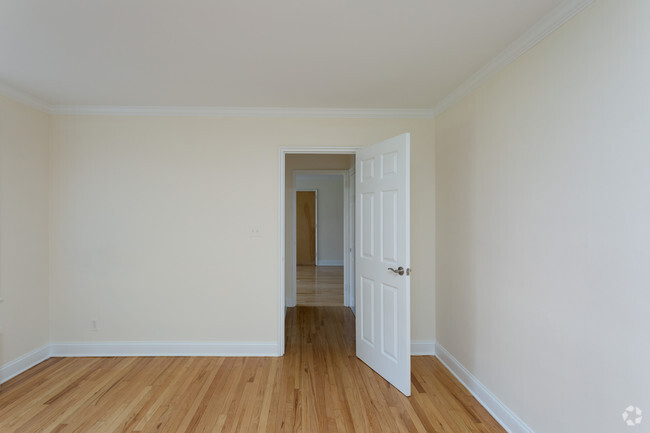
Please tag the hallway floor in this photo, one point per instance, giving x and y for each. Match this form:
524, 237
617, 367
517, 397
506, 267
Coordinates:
319, 286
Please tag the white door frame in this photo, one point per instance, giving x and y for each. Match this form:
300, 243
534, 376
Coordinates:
351, 233
346, 231
282, 153
295, 222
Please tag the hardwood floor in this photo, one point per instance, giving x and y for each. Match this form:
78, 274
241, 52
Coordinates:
318, 386
319, 285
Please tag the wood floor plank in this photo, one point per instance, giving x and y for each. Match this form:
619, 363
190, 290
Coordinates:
319, 286
318, 386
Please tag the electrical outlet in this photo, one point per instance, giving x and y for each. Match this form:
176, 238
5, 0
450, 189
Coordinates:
254, 231
93, 325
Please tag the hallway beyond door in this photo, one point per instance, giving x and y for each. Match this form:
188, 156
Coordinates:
319, 285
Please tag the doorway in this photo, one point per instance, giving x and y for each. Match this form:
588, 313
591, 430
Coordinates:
315, 162
328, 280
381, 257
321, 221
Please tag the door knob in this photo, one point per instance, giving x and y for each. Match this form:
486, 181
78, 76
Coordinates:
399, 270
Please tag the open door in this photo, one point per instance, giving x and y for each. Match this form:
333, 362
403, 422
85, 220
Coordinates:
383, 320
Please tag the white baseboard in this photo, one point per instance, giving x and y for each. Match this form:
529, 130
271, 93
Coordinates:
330, 263
25, 362
163, 348
504, 416
423, 347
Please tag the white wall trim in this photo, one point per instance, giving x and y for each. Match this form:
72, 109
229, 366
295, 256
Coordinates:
326, 150
25, 362
118, 110
282, 306
504, 416
366, 113
136, 348
164, 348
24, 98
331, 263
544, 27
423, 347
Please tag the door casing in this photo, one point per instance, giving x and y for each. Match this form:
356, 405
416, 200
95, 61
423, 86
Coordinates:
282, 153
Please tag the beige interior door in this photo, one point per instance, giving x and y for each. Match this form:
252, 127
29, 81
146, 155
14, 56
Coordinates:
306, 228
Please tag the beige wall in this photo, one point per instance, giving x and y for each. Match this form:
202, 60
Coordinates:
150, 220
543, 213
24, 265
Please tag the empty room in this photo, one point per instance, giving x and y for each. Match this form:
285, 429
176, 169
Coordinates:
343, 216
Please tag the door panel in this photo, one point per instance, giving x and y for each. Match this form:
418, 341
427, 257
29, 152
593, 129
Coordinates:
367, 315
367, 210
306, 228
382, 232
389, 315
388, 226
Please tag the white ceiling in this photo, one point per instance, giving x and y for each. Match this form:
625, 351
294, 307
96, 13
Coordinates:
254, 53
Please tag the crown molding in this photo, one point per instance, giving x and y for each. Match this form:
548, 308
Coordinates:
24, 98
544, 27
376, 113
114, 110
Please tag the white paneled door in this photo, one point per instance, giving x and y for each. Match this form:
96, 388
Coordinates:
382, 260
